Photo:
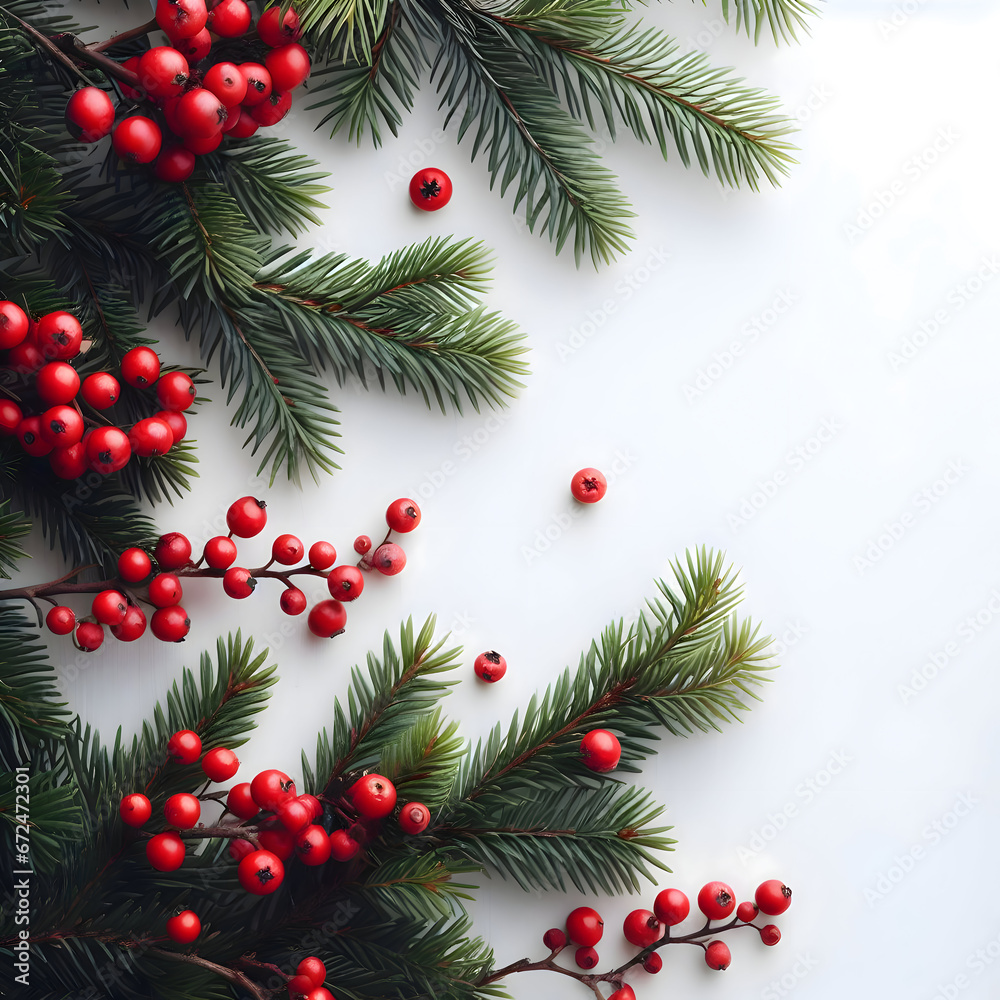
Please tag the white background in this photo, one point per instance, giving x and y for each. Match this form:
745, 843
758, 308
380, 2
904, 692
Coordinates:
866, 553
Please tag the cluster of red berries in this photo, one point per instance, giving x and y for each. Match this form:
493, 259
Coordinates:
650, 929
48, 420
190, 104
117, 602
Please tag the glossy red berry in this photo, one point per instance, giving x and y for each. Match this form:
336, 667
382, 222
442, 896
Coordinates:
170, 624
109, 607
652, 963
132, 626
277, 840
184, 746
58, 336
589, 485
176, 422
173, 550
270, 788
311, 967
746, 912
60, 620
230, 19
671, 906
586, 957
273, 108
327, 619
202, 144
641, 928
220, 552
346, 582
62, 426
29, 433
490, 666
195, 48
181, 18
175, 391
199, 115
100, 390
135, 809
238, 582
174, 164
624, 992
261, 873
373, 795
312, 845
403, 515
165, 851
69, 463
299, 987
555, 938
322, 555
259, 85
275, 30
414, 818
247, 517
430, 189
292, 601
288, 65
600, 750
89, 636
287, 550
770, 934
239, 848
57, 382
716, 900
320, 994
717, 955
184, 927
773, 897
343, 846
140, 367
151, 437
134, 565
165, 590
244, 126
362, 544
220, 764
585, 926
14, 324
389, 559
314, 804
137, 139
10, 417
240, 802
182, 811
293, 815
163, 72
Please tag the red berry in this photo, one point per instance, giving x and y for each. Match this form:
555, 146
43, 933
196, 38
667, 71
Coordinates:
770, 934
586, 958
624, 992
389, 559
165, 590
238, 583
275, 30
414, 818
600, 750
430, 189
314, 804
181, 18
773, 897
184, 927
717, 955
108, 450
246, 517
220, 764
288, 65
293, 815
175, 391
101, 390
132, 626
137, 139
554, 938
322, 555
25, 358
69, 463
490, 666
716, 900
14, 324
220, 552
259, 83
327, 619
10, 416
203, 144
292, 601
173, 550
195, 48
62, 426
746, 912
57, 382
60, 620
151, 437
90, 114
671, 906
200, 114
182, 810
170, 624
140, 366
135, 809
89, 636
162, 71
403, 515
273, 108
134, 565
374, 796
165, 851
320, 994
261, 873
584, 926
287, 550
299, 987
272, 787
176, 422
642, 929
174, 164
184, 746
278, 841
346, 582
109, 607
311, 967
230, 18
239, 849
652, 962
312, 845
29, 433
58, 336
343, 847
589, 485
244, 126
362, 544
240, 802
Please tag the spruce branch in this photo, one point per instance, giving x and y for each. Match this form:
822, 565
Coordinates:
783, 17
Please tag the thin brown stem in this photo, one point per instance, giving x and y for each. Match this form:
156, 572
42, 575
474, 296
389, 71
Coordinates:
124, 36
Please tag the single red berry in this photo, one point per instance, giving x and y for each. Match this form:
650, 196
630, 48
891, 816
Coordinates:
555, 938
311, 967
624, 992
287, 550
89, 636
671, 906
220, 552
430, 189
299, 987
389, 559
288, 65
175, 391
195, 48
140, 367
100, 390
343, 846
403, 515
184, 746
652, 962
586, 957
163, 71
374, 796
240, 802
176, 421
181, 18
230, 19
278, 841
238, 583
137, 139
25, 358
770, 934
220, 764
165, 851
57, 382
244, 126
642, 929
10, 417
589, 485
322, 555
320, 994
717, 955
259, 83
273, 108
293, 815
132, 626
414, 818
362, 544
134, 565
151, 437
246, 517
239, 849
170, 624
716, 900
312, 845
184, 927
490, 666
261, 873
29, 433
182, 810
600, 750
173, 550
135, 809
275, 30
346, 582
773, 897
59, 336
60, 620
292, 601
174, 164
272, 787
327, 619
746, 912
314, 804
165, 590
62, 426
69, 463
14, 324
200, 114
109, 607
585, 926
